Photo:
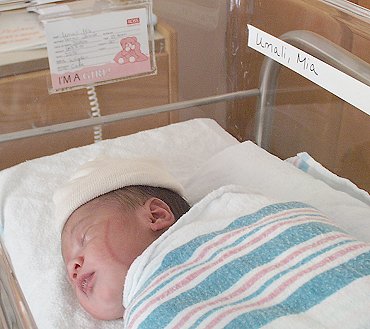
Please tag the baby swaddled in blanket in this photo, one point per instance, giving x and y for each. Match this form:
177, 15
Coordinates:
133, 248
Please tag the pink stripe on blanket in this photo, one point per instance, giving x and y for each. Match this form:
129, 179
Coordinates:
285, 285
190, 277
221, 240
251, 281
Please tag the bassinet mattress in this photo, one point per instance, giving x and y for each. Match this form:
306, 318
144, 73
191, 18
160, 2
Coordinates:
198, 152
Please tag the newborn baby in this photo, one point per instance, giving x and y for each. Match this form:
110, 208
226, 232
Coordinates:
110, 212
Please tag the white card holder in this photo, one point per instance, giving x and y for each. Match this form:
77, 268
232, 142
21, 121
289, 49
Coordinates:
93, 42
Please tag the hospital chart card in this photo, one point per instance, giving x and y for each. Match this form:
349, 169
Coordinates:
98, 48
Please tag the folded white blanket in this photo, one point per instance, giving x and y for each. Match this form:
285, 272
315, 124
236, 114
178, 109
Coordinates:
315, 169
237, 260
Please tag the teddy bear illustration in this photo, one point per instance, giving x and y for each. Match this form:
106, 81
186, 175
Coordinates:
130, 52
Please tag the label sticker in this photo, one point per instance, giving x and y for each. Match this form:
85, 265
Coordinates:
333, 80
20, 31
96, 48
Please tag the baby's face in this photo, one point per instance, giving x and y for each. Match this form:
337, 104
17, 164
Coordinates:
99, 243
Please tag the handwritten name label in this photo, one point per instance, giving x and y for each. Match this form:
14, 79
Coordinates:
97, 48
340, 84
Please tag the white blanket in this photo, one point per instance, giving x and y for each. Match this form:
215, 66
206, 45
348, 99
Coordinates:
248, 165
237, 260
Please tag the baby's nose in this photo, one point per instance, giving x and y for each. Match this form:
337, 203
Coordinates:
74, 267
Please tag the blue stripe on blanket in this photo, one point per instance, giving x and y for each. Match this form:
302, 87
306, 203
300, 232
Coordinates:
308, 295
183, 253
271, 281
229, 274
177, 257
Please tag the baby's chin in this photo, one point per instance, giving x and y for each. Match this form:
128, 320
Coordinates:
105, 315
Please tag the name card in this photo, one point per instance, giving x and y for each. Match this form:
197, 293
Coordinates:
333, 80
98, 48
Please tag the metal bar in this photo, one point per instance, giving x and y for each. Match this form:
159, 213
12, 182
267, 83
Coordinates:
13, 304
125, 115
349, 7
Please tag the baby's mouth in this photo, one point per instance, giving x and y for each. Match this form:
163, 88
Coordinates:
86, 282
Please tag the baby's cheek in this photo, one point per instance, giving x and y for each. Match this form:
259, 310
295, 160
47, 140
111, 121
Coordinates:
115, 243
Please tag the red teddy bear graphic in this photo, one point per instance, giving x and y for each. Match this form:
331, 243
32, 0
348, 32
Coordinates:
130, 52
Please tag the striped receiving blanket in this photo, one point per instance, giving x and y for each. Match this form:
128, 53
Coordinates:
236, 260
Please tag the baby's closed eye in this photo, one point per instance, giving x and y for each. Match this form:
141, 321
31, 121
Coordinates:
87, 234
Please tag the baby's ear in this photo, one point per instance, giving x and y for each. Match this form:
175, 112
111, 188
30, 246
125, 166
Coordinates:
161, 215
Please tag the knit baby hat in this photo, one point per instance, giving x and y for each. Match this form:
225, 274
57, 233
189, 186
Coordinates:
101, 176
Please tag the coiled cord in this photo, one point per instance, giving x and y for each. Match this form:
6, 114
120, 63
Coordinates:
95, 112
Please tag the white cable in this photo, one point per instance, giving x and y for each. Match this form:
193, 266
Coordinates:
95, 112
